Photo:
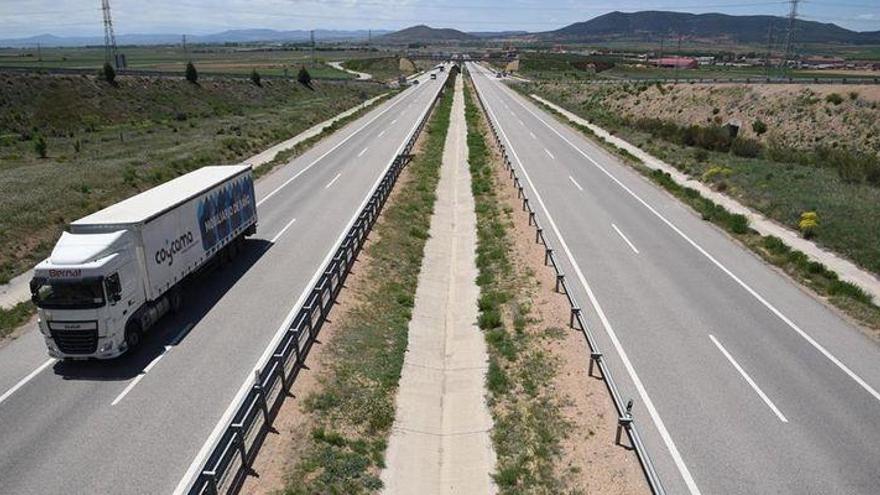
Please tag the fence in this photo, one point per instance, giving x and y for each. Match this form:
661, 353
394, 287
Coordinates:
625, 421
228, 464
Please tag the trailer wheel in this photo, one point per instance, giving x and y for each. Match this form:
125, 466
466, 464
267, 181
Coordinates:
133, 335
175, 300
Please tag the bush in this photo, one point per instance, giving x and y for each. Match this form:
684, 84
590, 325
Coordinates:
304, 77
40, 147
192, 75
108, 73
255, 78
745, 147
701, 155
834, 98
759, 127
808, 224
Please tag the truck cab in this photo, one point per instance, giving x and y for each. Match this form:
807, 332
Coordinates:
86, 290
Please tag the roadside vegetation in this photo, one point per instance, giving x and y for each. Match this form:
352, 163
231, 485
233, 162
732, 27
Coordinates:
70, 145
382, 68
838, 181
14, 317
851, 299
351, 414
530, 426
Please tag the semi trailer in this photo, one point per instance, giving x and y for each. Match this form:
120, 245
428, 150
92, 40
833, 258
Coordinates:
113, 274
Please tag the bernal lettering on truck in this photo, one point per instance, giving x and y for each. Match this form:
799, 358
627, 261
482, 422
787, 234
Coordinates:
224, 211
65, 273
172, 247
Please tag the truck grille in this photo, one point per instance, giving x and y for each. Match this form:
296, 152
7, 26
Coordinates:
76, 341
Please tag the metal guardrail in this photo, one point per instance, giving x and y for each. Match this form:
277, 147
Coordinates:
625, 420
228, 464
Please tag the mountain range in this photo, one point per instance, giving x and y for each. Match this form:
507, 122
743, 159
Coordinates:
615, 26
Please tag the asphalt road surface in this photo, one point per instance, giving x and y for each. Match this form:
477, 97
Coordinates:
743, 382
135, 424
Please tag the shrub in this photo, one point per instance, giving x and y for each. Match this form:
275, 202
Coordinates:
192, 75
108, 73
853, 95
255, 78
834, 98
40, 147
304, 77
808, 224
701, 155
759, 127
716, 172
745, 147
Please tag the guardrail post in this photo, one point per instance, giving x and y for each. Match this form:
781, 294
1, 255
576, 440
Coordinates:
212, 481
538, 234
264, 403
560, 282
575, 315
547, 254
519, 190
526, 205
594, 358
280, 359
624, 421
531, 217
238, 431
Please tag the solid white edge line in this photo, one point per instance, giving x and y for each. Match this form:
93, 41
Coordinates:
549, 154
749, 380
575, 183
23, 381
365, 149
190, 475
337, 145
637, 382
282, 231
332, 181
625, 239
791, 324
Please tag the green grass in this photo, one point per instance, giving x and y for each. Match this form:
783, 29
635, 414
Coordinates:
353, 411
529, 425
14, 317
382, 68
107, 143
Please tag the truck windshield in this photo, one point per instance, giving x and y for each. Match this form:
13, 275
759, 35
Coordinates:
68, 294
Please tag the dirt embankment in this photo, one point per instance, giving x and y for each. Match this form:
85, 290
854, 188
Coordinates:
796, 115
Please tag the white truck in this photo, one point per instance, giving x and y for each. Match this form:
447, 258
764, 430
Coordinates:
116, 272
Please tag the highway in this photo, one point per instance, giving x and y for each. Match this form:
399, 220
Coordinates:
743, 383
136, 424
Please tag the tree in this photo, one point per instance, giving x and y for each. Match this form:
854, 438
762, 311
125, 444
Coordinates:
255, 78
109, 74
304, 77
40, 147
759, 127
192, 75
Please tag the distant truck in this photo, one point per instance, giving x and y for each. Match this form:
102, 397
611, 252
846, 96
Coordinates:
433, 75
116, 272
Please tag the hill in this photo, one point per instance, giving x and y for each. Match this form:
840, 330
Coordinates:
425, 34
230, 36
651, 25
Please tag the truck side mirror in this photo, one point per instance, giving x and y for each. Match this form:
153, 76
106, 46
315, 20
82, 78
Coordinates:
114, 288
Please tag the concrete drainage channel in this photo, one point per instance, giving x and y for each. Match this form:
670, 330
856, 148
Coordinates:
228, 460
625, 421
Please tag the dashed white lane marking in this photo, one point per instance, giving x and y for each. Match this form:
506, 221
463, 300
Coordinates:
363, 151
332, 181
575, 183
625, 239
23, 381
282, 231
749, 380
549, 154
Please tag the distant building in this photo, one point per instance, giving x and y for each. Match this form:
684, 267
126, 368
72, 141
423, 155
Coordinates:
705, 60
675, 62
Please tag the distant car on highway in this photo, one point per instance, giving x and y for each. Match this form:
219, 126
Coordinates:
415, 81
433, 75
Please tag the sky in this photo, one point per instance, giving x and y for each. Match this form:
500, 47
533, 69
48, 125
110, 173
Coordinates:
22, 18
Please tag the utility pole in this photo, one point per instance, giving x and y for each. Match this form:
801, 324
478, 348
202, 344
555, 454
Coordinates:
678, 56
769, 46
312, 38
109, 36
185, 52
789, 36
39, 53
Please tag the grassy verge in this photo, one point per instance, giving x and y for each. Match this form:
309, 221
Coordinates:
529, 424
846, 296
105, 143
14, 317
352, 413
382, 68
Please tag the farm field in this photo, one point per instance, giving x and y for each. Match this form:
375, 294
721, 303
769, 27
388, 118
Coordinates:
212, 59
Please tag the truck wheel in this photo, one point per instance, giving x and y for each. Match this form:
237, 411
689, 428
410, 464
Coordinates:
233, 249
133, 335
